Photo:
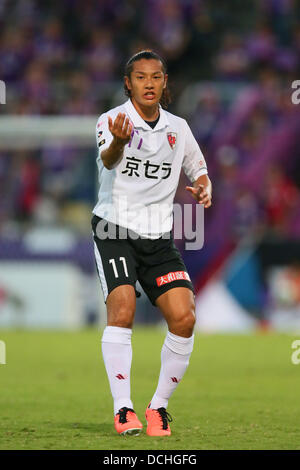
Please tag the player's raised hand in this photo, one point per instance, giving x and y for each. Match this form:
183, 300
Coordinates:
120, 128
200, 194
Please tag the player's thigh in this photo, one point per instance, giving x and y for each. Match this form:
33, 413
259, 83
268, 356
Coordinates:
178, 308
116, 268
165, 280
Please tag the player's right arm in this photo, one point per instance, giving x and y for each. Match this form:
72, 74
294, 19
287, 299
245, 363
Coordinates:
120, 129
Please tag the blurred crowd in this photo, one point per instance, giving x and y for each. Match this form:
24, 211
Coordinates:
68, 57
56, 56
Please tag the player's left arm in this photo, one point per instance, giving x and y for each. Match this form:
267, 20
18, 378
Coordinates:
195, 168
202, 190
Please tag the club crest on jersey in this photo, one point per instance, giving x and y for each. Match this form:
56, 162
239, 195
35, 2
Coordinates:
172, 136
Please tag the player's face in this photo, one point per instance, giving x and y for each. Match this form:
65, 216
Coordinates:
147, 82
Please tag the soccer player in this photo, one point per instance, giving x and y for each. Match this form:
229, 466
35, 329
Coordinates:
142, 149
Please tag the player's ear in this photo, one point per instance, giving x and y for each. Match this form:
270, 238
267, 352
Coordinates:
166, 80
127, 82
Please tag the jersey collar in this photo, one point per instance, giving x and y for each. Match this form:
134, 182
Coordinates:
138, 121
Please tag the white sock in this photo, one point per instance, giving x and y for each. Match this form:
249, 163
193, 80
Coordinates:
117, 356
175, 356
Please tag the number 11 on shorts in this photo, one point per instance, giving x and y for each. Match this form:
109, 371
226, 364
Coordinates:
113, 263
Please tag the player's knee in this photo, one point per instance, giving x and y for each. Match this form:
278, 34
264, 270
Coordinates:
121, 308
189, 321
123, 316
186, 322
125, 319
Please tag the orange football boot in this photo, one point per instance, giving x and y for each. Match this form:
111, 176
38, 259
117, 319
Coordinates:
158, 422
127, 422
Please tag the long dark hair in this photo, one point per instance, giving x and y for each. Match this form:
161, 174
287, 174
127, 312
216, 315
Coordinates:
165, 99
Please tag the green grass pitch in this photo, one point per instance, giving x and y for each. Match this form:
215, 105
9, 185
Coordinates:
239, 392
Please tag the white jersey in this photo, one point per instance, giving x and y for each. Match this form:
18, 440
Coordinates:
138, 192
